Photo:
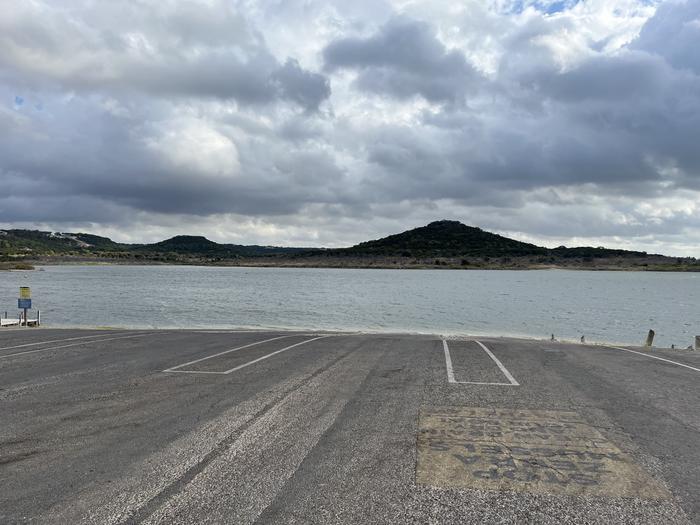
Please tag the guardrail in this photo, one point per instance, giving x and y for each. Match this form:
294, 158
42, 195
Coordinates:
20, 321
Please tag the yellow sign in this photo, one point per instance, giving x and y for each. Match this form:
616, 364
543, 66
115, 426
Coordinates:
25, 292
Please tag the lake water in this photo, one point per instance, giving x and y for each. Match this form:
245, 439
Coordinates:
616, 307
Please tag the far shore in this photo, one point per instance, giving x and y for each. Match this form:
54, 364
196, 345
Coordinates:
16, 266
392, 263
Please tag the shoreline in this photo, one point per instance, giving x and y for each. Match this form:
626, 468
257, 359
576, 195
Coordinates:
373, 264
450, 336
16, 267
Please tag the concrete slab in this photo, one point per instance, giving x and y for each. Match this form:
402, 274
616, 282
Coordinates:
355, 428
543, 451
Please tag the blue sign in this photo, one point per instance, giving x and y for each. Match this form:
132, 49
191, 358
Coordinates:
24, 303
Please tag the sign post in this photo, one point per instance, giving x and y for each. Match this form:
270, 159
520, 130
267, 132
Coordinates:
25, 301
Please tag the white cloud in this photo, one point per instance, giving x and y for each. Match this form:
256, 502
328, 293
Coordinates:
328, 122
193, 147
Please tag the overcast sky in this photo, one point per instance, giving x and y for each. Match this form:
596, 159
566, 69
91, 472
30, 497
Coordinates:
325, 123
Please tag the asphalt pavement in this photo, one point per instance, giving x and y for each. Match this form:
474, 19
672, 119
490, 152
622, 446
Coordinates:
207, 426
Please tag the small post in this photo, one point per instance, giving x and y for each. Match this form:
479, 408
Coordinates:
38, 317
697, 342
583, 339
552, 339
650, 338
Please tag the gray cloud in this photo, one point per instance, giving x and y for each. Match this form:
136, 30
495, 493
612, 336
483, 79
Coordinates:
178, 49
156, 117
404, 58
301, 86
674, 34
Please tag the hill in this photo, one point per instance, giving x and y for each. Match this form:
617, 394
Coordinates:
197, 245
181, 248
18, 242
454, 239
445, 239
438, 244
186, 243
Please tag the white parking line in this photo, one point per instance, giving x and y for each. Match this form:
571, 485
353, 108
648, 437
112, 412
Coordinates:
448, 363
655, 357
274, 353
175, 368
55, 341
499, 364
74, 344
226, 372
250, 331
451, 374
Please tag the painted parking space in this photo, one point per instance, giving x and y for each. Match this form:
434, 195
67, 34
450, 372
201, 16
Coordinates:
60, 344
473, 363
237, 358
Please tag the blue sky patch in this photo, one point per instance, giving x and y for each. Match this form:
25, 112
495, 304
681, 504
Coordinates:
549, 7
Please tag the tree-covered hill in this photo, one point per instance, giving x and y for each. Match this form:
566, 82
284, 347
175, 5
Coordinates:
440, 243
32, 243
445, 239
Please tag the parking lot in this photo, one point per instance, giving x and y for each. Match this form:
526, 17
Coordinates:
207, 426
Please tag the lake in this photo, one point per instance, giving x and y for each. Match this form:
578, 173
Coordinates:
615, 307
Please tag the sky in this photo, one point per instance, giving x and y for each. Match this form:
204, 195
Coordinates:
328, 122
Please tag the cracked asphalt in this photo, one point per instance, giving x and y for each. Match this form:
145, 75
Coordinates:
206, 426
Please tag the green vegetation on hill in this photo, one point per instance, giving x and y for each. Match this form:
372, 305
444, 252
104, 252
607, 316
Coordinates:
95, 242
185, 244
19, 242
445, 239
201, 246
439, 244
589, 251
181, 248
